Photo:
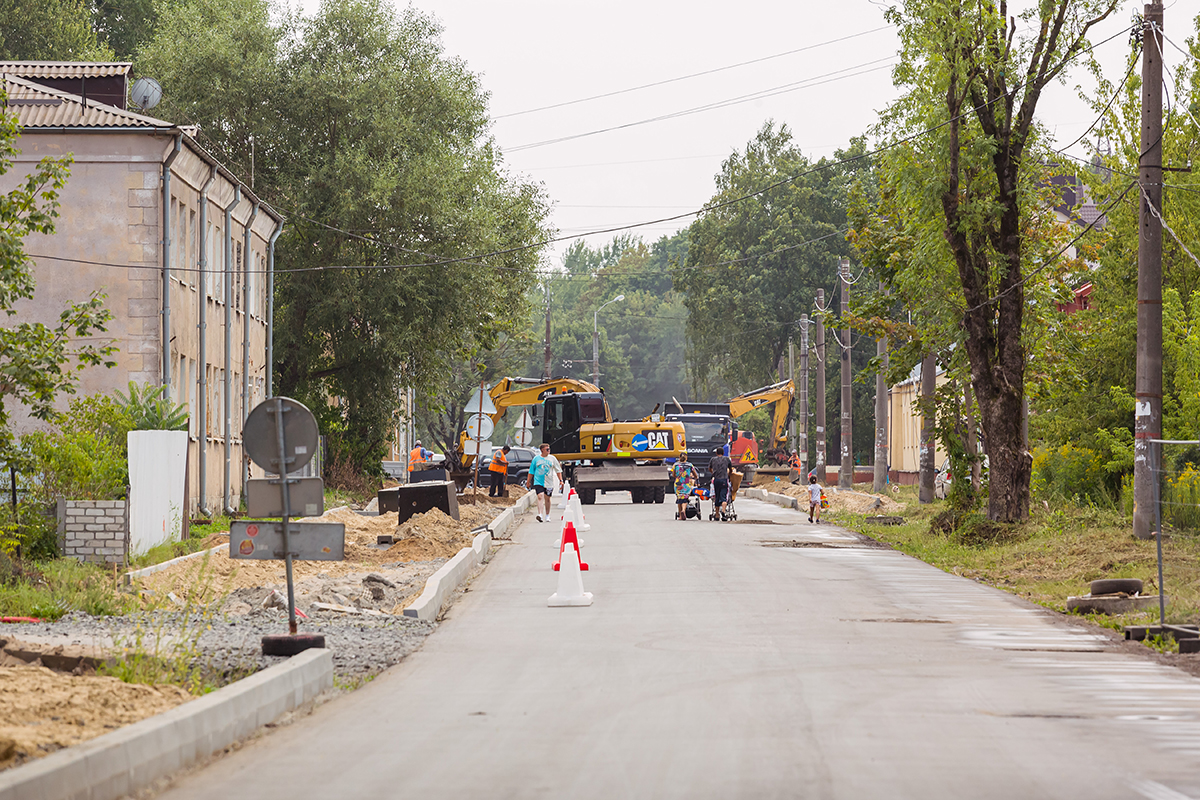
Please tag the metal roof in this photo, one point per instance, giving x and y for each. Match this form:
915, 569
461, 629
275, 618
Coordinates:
37, 106
64, 69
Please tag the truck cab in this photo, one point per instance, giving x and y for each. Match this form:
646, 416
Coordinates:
707, 435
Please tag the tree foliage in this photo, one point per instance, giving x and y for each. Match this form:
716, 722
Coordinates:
974, 83
49, 30
376, 146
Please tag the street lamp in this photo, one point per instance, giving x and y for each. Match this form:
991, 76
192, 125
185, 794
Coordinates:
596, 339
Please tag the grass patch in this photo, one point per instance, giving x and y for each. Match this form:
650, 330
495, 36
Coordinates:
1054, 554
50, 589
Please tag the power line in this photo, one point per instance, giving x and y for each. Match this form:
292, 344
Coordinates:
692, 75
807, 83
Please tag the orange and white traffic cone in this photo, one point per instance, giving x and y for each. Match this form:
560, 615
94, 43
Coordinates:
569, 537
570, 581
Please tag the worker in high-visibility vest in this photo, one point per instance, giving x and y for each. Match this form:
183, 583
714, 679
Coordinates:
499, 472
418, 456
796, 474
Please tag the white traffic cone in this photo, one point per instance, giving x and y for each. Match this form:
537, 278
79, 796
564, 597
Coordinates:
570, 582
581, 523
565, 491
569, 518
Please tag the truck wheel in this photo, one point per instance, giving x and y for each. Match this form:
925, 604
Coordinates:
660, 494
586, 496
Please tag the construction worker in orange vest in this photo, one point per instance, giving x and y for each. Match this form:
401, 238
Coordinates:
795, 475
418, 457
499, 470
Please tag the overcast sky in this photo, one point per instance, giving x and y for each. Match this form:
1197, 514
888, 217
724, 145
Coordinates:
531, 54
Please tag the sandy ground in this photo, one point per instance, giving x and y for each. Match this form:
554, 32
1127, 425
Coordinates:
853, 502
42, 710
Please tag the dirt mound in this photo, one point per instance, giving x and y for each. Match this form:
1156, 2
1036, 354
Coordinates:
433, 534
425, 537
842, 499
42, 711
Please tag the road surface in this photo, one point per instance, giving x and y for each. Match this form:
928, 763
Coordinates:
767, 659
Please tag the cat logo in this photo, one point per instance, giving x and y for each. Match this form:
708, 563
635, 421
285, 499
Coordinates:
658, 440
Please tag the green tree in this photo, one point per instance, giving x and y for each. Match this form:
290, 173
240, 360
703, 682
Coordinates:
754, 265
220, 66
386, 140
124, 25
49, 30
977, 84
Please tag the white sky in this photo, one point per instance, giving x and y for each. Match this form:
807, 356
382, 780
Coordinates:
536, 53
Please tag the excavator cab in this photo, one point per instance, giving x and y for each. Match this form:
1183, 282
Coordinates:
565, 413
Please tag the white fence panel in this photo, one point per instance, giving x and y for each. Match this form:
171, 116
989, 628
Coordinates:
157, 473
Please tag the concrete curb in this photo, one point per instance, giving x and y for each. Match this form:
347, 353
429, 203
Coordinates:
127, 760
783, 500
755, 493
138, 573
442, 583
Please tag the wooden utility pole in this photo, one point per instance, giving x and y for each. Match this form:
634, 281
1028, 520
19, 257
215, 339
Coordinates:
546, 372
1147, 422
881, 414
928, 451
802, 440
791, 377
846, 468
819, 391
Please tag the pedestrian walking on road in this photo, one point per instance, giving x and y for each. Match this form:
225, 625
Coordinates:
539, 480
684, 475
814, 498
499, 470
718, 467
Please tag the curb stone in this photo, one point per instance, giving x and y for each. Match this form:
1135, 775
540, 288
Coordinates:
442, 583
127, 760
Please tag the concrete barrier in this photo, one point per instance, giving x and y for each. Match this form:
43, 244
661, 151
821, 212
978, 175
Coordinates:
127, 760
755, 493
502, 523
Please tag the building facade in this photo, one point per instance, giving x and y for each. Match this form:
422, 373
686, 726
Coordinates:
181, 247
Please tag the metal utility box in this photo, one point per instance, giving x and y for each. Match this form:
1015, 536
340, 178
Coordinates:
417, 498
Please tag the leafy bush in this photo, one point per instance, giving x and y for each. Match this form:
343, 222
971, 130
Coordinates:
1073, 473
1181, 499
151, 409
85, 459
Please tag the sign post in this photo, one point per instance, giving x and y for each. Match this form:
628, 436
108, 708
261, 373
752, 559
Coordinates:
281, 436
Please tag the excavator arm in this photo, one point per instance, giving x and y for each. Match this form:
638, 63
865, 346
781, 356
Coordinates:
510, 392
782, 394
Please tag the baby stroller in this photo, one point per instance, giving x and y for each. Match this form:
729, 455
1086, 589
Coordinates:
729, 514
692, 511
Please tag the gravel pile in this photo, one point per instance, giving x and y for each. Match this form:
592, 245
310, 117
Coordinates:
226, 647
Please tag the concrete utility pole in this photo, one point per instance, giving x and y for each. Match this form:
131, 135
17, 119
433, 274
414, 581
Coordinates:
1147, 423
846, 469
791, 377
819, 391
802, 433
881, 414
928, 446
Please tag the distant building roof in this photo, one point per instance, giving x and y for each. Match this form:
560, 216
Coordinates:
38, 106
64, 69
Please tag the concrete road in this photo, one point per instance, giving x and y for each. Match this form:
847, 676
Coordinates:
743, 660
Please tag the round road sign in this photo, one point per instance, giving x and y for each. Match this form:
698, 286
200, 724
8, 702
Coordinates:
524, 437
479, 427
260, 435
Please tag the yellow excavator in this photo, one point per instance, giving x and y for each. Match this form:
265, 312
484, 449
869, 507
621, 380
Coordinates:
597, 452
783, 395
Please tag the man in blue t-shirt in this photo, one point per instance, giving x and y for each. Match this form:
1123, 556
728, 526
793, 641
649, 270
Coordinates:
539, 480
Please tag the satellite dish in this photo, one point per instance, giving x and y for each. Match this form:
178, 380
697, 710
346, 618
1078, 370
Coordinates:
146, 93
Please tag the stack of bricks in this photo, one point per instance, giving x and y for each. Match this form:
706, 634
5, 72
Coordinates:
94, 530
